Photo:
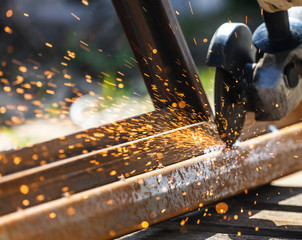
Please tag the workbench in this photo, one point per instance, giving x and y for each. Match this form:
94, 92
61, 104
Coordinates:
273, 211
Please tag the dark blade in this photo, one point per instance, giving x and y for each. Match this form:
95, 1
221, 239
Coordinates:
230, 110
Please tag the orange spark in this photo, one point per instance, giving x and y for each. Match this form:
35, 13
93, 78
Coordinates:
85, 2
24, 189
9, 13
222, 208
84, 43
8, 30
145, 224
75, 16
191, 8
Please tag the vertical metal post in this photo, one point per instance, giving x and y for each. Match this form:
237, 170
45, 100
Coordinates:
163, 56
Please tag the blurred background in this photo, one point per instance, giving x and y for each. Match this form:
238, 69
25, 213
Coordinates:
65, 65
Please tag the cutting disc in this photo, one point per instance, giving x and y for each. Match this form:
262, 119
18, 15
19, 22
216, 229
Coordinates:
229, 108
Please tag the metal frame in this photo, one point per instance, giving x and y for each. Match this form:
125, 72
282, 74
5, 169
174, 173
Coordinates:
163, 56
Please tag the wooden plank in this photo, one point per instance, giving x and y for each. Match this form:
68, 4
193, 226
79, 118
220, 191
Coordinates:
293, 180
157, 233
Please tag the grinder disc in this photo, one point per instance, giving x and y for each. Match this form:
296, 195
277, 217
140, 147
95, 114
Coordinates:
230, 110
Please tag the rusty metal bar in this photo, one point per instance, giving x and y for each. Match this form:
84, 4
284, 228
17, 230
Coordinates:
94, 139
163, 56
116, 133
128, 205
104, 165
101, 167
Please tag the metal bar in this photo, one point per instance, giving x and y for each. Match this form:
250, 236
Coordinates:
121, 207
94, 139
102, 167
163, 56
106, 163
118, 133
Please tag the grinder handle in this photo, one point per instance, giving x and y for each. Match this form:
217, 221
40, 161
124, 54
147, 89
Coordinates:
277, 24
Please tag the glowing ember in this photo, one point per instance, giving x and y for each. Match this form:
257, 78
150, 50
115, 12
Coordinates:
23, 69
8, 30
145, 224
112, 233
40, 198
182, 104
24, 189
112, 173
17, 160
9, 13
48, 45
75, 16
221, 208
25, 202
52, 215
85, 2
70, 211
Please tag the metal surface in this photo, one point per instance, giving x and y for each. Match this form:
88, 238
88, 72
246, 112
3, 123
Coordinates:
121, 207
273, 211
272, 95
272, 88
87, 171
163, 56
276, 92
94, 139
230, 50
142, 152
230, 111
278, 33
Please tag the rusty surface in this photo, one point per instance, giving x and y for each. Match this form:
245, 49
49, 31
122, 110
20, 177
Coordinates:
124, 206
94, 139
118, 133
106, 164
101, 167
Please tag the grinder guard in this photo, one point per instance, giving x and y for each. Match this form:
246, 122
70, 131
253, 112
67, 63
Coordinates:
271, 88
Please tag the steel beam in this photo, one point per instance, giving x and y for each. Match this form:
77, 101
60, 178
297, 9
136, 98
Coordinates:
162, 54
